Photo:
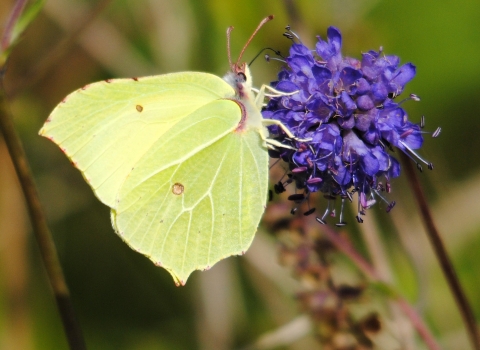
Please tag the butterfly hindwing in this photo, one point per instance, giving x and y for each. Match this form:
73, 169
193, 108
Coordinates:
201, 204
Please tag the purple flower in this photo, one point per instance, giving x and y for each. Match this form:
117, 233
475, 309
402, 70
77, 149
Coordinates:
345, 121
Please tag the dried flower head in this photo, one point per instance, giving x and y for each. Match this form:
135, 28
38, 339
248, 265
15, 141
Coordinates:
345, 120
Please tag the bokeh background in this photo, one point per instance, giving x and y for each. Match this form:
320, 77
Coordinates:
125, 302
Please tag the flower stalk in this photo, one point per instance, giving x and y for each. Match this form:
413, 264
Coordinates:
17, 154
39, 224
441, 254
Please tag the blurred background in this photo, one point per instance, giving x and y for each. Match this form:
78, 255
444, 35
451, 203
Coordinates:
122, 300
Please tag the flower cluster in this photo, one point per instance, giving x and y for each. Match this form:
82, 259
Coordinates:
345, 120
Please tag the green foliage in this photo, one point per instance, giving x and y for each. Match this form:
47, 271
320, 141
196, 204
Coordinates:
19, 20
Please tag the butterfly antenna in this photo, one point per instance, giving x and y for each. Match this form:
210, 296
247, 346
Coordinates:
265, 20
278, 53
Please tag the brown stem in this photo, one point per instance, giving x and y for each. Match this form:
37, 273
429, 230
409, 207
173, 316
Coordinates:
42, 233
441, 253
344, 246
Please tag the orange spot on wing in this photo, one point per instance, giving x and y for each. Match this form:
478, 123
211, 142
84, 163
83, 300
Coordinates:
178, 188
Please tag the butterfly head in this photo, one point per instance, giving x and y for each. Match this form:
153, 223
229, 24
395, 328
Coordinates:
240, 79
239, 76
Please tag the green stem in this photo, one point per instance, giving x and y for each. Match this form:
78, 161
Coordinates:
42, 233
441, 253
12, 20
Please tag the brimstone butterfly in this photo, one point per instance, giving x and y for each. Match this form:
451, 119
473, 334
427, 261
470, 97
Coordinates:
181, 159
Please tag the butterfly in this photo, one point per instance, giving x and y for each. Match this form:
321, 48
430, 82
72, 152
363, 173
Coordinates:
181, 159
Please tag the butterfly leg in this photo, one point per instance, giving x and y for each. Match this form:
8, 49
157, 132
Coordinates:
261, 94
271, 142
284, 128
259, 103
277, 93
279, 124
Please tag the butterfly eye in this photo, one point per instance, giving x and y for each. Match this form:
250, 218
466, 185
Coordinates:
241, 77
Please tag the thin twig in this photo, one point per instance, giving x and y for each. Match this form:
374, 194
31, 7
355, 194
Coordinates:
344, 246
12, 20
42, 233
441, 253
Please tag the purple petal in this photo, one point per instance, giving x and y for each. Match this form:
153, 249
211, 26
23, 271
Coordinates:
347, 102
300, 64
286, 86
346, 122
321, 74
365, 120
363, 86
394, 170
370, 164
331, 50
379, 92
349, 76
404, 74
411, 136
320, 109
300, 158
335, 38
342, 176
372, 135
365, 103
382, 157
354, 149
301, 50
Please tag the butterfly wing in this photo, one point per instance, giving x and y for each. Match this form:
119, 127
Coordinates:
195, 208
186, 189
105, 128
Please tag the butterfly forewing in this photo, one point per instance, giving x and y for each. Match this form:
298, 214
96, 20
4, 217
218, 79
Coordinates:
106, 128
